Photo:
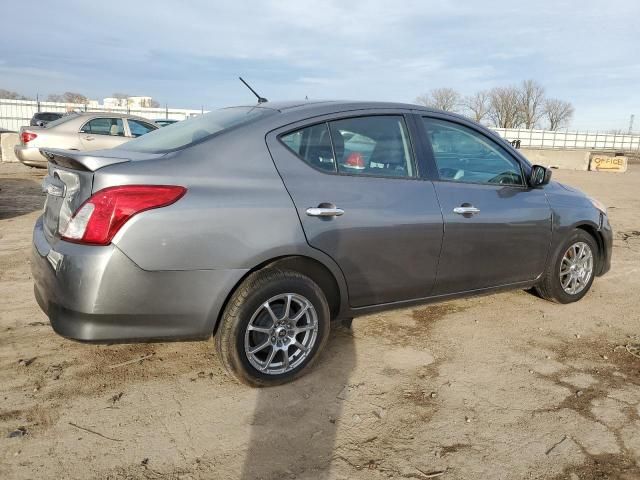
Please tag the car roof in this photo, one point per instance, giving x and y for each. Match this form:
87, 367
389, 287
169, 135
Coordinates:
108, 114
311, 108
311, 105
292, 111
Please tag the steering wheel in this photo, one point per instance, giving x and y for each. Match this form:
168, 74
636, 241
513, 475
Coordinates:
451, 173
505, 178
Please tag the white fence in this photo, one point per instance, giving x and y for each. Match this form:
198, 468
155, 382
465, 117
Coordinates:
17, 113
568, 140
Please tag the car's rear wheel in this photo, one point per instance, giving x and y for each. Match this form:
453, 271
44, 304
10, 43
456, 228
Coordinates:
570, 274
273, 328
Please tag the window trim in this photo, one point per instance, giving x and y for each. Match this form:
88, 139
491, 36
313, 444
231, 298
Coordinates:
124, 129
412, 150
523, 186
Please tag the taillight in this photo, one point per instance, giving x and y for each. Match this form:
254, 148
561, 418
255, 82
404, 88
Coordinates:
100, 217
26, 137
355, 160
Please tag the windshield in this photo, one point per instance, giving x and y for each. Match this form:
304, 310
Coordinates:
193, 130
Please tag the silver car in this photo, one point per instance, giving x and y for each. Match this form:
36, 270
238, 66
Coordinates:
261, 224
79, 131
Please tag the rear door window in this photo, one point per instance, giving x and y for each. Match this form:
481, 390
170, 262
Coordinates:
375, 145
104, 126
138, 127
313, 145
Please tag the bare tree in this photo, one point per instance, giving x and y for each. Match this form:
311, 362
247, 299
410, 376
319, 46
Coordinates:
531, 103
55, 97
72, 97
504, 107
441, 98
120, 96
477, 105
154, 103
558, 113
11, 95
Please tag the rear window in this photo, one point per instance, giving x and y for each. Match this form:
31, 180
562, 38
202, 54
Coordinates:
61, 120
193, 130
49, 117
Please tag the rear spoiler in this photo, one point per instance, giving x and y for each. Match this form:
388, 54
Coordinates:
87, 161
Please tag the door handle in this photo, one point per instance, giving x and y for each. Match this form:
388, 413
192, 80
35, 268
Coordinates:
325, 212
466, 210
88, 138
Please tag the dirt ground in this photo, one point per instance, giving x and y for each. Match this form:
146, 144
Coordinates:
498, 387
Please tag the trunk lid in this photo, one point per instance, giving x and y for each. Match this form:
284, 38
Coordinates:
70, 178
69, 182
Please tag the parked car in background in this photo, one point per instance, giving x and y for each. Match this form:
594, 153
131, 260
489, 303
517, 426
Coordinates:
262, 224
40, 119
79, 131
163, 122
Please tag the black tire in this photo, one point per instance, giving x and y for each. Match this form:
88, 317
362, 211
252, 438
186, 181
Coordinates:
256, 289
549, 286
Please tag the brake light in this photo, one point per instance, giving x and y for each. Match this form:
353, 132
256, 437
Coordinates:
355, 160
100, 217
27, 137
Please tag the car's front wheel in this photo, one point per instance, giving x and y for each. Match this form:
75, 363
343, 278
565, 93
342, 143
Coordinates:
570, 274
273, 327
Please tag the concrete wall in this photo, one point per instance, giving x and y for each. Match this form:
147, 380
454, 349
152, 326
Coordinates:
7, 142
564, 159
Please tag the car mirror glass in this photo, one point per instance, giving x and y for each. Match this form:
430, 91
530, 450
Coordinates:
539, 176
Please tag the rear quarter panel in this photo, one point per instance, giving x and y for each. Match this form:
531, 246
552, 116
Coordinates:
236, 213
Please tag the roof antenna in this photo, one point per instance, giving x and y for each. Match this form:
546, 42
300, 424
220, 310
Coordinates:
260, 99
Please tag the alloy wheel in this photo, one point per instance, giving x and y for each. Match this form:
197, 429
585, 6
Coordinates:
281, 333
576, 268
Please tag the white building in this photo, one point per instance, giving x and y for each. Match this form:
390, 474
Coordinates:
131, 102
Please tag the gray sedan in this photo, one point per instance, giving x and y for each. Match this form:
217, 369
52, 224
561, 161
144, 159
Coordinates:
79, 131
262, 224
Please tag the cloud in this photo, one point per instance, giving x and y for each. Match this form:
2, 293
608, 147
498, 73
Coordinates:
190, 53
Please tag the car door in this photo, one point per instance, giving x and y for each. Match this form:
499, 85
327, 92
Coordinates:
102, 132
497, 230
360, 200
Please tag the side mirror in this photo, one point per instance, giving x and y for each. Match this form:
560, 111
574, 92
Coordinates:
539, 176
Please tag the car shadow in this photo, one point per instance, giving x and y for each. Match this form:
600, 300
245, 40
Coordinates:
19, 196
294, 426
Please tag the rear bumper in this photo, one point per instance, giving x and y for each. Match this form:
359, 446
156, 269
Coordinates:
30, 156
97, 294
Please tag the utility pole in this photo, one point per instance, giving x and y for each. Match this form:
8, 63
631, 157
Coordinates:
631, 123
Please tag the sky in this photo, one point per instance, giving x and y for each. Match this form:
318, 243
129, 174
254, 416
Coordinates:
189, 54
